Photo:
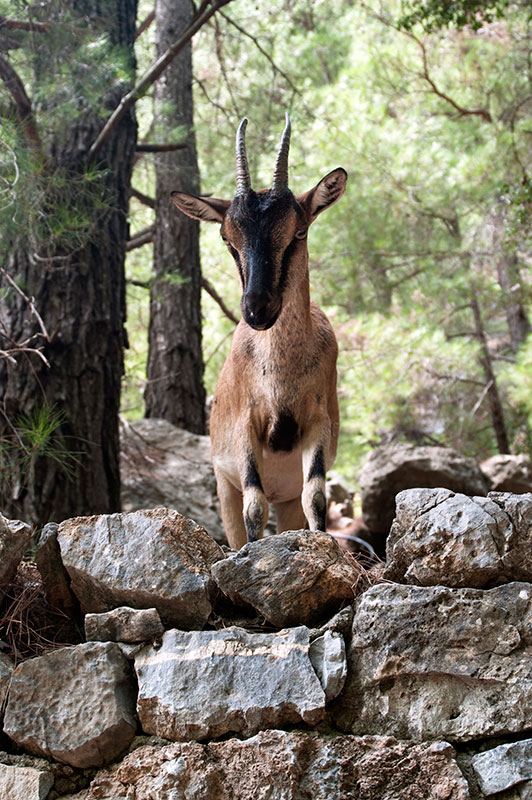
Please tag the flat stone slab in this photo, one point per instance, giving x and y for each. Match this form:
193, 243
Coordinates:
75, 705
24, 783
278, 765
440, 537
124, 624
205, 684
293, 578
437, 662
144, 559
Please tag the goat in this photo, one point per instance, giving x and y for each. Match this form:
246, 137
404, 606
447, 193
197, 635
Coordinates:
274, 420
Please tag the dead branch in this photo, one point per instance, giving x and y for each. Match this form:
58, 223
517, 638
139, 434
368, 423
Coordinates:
24, 25
145, 24
142, 198
165, 147
15, 87
141, 238
209, 288
204, 13
29, 300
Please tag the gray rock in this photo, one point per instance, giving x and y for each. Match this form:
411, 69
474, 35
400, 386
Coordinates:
161, 465
6, 669
24, 783
297, 577
391, 468
145, 559
436, 662
327, 654
75, 705
278, 765
504, 766
15, 537
439, 537
507, 473
56, 583
124, 625
205, 684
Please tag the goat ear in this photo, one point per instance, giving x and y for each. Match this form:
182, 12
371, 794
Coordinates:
206, 209
325, 193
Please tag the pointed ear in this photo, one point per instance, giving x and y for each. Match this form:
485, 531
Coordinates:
325, 193
206, 209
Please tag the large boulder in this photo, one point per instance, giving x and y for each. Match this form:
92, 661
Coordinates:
161, 465
507, 473
15, 537
75, 705
439, 537
297, 577
391, 468
145, 559
286, 766
435, 662
206, 684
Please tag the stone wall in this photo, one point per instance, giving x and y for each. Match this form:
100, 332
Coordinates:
286, 670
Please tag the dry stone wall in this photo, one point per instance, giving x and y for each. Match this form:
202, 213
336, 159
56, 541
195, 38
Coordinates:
286, 670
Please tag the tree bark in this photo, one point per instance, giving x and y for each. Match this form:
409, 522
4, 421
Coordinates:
80, 294
516, 315
175, 389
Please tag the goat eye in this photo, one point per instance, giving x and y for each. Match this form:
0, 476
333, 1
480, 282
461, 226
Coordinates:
301, 234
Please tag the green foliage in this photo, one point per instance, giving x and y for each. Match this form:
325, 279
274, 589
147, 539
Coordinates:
436, 14
31, 437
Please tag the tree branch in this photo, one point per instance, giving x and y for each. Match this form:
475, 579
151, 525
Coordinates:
24, 25
145, 24
141, 238
165, 147
142, 198
205, 12
209, 288
16, 88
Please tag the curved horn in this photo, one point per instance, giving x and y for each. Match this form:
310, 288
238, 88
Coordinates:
280, 173
243, 181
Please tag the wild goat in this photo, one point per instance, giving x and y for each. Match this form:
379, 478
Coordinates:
274, 421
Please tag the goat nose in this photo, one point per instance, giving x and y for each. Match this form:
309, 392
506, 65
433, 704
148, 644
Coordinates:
256, 304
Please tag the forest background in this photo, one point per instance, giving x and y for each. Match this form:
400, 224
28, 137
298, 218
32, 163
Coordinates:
423, 267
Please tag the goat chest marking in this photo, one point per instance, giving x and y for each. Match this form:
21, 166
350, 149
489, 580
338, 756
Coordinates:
285, 433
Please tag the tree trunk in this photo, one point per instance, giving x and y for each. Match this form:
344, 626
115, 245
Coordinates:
80, 294
175, 389
496, 410
516, 315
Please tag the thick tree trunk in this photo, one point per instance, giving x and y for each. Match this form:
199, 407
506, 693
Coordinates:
79, 292
175, 389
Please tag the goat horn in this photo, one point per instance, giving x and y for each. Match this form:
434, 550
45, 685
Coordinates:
280, 174
243, 181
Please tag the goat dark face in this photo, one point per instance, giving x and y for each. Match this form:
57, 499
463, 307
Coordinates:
264, 232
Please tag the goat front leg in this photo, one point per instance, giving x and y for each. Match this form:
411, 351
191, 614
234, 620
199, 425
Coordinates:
313, 498
255, 503
231, 506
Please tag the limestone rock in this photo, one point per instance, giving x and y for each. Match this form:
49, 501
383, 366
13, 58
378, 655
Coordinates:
76, 705
161, 465
208, 683
15, 537
6, 670
391, 468
437, 662
124, 625
504, 766
439, 537
297, 577
56, 582
145, 559
507, 473
286, 766
327, 654
24, 783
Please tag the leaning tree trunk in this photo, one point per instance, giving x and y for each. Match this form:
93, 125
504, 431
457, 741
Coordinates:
79, 292
175, 389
